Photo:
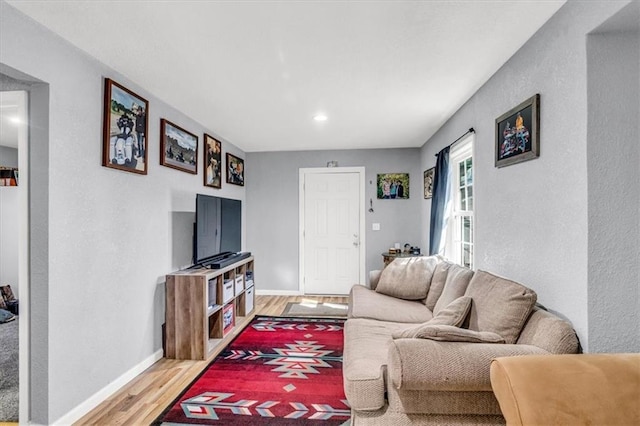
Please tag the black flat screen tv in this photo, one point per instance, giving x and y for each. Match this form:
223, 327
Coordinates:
218, 228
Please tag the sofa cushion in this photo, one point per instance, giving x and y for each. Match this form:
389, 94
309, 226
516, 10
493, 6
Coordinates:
454, 315
437, 284
449, 333
455, 286
364, 362
499, 305
407, 277
366, 303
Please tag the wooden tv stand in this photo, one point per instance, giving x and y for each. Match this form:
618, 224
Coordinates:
196, 319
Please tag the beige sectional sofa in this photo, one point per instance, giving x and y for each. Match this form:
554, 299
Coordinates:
419, 342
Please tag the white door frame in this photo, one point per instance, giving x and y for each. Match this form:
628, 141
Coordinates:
362, 248
24, 377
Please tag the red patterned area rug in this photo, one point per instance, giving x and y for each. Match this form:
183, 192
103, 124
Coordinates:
278, 371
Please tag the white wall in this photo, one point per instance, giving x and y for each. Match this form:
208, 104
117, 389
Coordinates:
272, 208
614, 185
8, 156
113, 235
9, 228
531, 218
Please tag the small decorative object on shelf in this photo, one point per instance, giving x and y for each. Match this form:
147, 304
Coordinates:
228, 319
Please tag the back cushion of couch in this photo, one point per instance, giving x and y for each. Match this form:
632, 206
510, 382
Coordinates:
499, 305
407, 278
455, 286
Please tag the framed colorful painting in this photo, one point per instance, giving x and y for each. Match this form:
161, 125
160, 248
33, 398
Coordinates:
235, 170
518, 133
178, 148
428, 182
212, 162
124, 129
393, 186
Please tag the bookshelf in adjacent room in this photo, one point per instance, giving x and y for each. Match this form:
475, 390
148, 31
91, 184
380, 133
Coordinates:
203, 305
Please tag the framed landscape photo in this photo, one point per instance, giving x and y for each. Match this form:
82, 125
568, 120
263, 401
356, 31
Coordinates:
212, 162
235, 170
178, 148
124, 129
517, 133
393, 186
428, 182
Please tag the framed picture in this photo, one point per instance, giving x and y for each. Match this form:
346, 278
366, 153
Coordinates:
393, 186
124, 129
178, 148
235, 170
212, 162
517, 133
428, 182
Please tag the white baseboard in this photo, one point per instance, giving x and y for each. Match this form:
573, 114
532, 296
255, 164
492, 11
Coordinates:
278, 293
104, 393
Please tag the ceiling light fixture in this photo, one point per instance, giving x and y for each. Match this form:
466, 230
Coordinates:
15, 120
320, 117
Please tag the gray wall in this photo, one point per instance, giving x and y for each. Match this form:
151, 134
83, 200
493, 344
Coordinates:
8, 156
532, 217
272, 208
98, 288
613, 156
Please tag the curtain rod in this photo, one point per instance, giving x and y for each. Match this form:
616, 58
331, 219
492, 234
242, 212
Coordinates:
471, 130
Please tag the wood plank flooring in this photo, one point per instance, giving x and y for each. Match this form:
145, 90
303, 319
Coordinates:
142, 400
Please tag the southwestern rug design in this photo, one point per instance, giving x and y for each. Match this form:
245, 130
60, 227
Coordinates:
277, 371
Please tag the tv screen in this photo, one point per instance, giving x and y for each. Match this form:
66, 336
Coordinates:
218, 227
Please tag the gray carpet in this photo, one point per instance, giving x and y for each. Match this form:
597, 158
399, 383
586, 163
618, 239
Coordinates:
315, 309
9, 371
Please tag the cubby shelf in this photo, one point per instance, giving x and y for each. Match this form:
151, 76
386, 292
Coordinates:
196, 303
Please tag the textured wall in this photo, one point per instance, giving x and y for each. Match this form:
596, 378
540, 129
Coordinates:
614, 188
531, 218
8, 156
114, 235
272, 208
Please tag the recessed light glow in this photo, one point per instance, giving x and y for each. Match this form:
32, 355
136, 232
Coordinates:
320, 117
15, 119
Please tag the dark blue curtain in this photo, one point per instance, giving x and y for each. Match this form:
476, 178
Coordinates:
439, 200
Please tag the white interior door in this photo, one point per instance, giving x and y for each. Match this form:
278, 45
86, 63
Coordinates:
332, 231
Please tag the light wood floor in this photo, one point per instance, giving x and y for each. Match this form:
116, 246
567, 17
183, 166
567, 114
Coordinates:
143, 399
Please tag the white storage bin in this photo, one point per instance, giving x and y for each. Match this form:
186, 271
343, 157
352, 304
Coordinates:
239, 283
227, 291
248, 300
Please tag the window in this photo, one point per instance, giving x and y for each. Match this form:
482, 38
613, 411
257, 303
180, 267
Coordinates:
461, 224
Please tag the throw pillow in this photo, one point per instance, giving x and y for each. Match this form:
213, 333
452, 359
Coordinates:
437, 284
456, 284
453, 315
499, 305
407, 278
449, 333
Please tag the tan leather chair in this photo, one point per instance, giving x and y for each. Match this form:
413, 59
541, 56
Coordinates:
588, 389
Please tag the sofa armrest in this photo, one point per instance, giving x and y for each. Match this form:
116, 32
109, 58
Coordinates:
423, 364
374, 277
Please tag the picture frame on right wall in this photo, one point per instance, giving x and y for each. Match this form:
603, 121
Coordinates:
518, 133
428, 182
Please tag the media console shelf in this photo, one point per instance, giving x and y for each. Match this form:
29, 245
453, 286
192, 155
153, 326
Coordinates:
203, 305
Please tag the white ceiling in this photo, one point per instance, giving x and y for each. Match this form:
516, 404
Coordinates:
387, 74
